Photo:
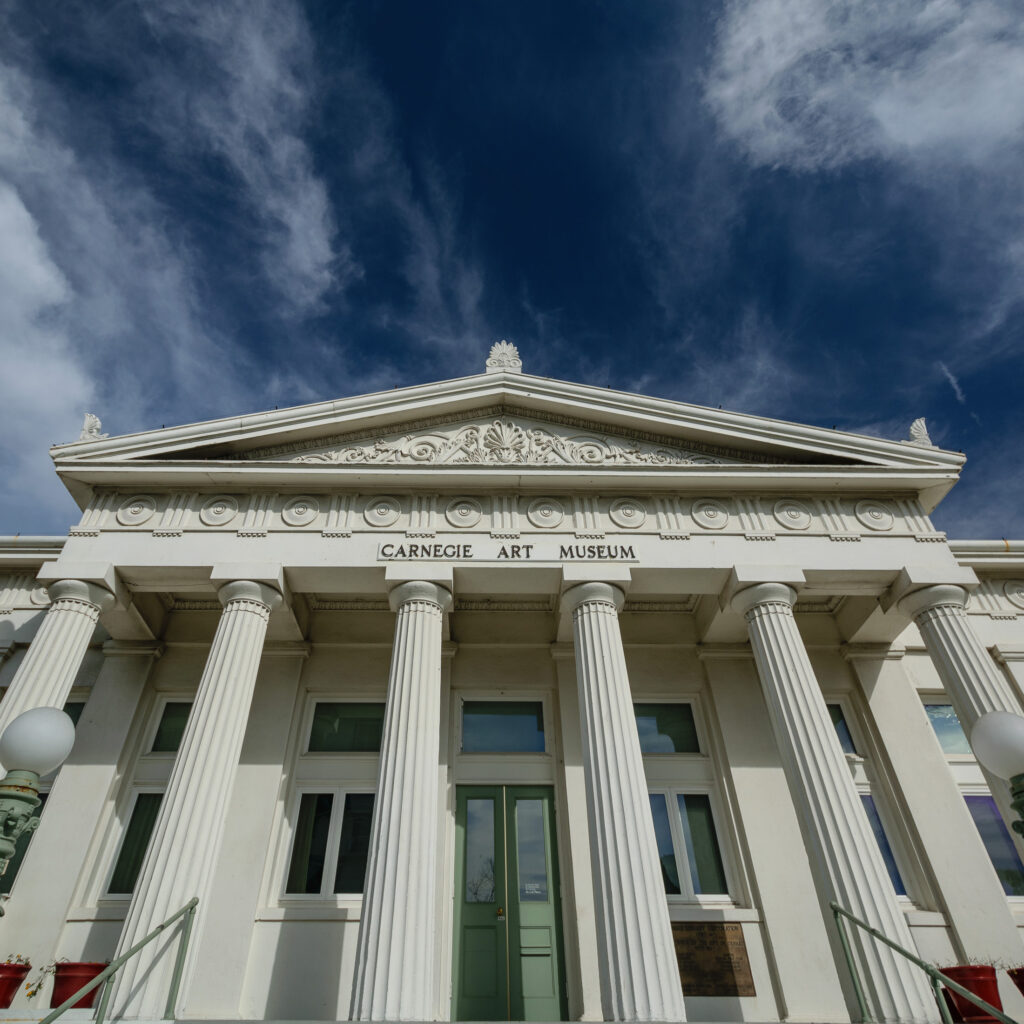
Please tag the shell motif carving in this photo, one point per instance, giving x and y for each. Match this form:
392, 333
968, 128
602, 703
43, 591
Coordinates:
793, 515
546, 513
504, 442
219, 510
382, 511
1014, 591
711, 514
136, 511
629, 513
464, 512
300, 511
874, 515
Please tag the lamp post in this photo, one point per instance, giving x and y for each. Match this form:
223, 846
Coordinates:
35, 742
997, 740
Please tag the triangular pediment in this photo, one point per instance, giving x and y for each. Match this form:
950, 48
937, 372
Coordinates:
477, 431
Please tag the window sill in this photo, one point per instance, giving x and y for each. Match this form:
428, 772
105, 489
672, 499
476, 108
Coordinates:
699, 912
311, 912
107, 910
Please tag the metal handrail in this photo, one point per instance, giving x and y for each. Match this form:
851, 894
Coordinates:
937, 978
188, 912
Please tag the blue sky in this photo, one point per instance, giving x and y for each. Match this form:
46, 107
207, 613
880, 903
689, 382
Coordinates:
803, 209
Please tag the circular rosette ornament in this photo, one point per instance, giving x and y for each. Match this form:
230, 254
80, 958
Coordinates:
793, 515
711, 514
1014, 591
874, 515
300, 511
382, 511
547, 513
464, 512
629, 513
219, 511
136, 511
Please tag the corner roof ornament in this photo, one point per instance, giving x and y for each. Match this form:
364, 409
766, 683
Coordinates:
91, 428
504, 358
919, 435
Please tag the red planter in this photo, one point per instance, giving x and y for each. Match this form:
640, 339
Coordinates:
981, 980
1017, 977
11, 977
69, 977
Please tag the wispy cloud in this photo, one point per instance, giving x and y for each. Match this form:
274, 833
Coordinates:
953, 383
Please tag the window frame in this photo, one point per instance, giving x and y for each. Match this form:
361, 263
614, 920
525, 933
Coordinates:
306, 727
111, 864
493, 758
338, 792
156, 714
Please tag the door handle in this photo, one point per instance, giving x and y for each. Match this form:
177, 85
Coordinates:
501, 911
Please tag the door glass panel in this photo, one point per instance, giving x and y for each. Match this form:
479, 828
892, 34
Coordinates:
309, 850
480, 851
354, 846
666, 729
530, 853
702, 851
503, 727
663, 835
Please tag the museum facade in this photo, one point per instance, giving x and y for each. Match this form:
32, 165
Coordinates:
506, 698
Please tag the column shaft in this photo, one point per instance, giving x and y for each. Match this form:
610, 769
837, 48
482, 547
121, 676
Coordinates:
186, 838
48, 671
395, 958
844, 853
639, 971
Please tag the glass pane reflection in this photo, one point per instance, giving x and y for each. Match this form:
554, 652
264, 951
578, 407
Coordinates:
666, 728
997, 841
480, 851
504, 727
533, 875
663, 835
947, 728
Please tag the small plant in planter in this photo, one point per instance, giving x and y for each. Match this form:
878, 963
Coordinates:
978, 978
1017, 977
68, 977
12, 974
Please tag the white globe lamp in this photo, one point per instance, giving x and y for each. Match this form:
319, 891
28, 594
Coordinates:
997, 740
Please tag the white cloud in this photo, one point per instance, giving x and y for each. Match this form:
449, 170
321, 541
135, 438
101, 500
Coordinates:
244, 90
813, 84
954, 383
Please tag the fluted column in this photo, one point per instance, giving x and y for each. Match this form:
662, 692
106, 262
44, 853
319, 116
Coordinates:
844, 853
186, 838
395, 958
970, 676
639, 971
48, 671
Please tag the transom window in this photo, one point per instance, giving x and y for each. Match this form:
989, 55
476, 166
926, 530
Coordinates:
171, 727
346, 727
948, 730
502, 727
666, 728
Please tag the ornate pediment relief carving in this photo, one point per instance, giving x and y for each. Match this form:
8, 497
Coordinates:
504, 439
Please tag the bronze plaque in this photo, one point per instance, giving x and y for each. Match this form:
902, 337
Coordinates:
712, 958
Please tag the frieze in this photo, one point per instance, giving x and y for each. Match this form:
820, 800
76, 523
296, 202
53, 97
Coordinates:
701, 454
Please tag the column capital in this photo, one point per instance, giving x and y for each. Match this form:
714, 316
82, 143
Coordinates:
593, 592
918, 601
763, 593
81, 590
420, 590
250, 590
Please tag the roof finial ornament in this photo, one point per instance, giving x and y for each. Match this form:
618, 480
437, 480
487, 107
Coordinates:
919, 434
91, 428
504, 358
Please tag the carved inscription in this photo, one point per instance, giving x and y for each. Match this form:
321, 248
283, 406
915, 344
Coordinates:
713, 958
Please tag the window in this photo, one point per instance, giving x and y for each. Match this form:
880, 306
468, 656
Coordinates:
171, 727
341, 727
691, 859
73, 709
862, 773
502, 727
948, 730
135, 843
330, 849
666, 728
998, 843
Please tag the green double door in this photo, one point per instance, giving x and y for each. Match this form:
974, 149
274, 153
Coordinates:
507, 962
